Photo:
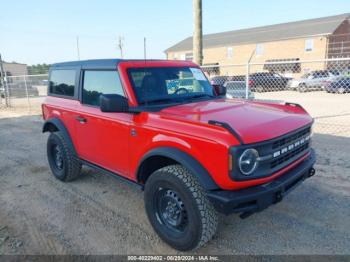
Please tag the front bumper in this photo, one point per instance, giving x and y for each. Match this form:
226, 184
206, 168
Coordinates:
254, 199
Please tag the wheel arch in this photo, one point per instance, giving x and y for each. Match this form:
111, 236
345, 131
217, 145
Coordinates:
164, 156
54, 125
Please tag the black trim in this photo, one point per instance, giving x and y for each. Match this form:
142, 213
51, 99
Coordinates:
295, 105
254, 199
111, 174
60, 127
185, 160
228, 128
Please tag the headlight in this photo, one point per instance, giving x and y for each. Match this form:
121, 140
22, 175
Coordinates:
248, 161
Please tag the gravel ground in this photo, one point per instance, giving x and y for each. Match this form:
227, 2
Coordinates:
100, 215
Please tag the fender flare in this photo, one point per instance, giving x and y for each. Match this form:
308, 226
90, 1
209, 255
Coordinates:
186, 160
59, 126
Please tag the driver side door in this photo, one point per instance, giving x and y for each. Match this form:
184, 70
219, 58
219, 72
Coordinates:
103, 138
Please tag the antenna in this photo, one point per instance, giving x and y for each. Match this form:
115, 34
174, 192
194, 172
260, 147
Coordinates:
121, 46
78, 49
144, 48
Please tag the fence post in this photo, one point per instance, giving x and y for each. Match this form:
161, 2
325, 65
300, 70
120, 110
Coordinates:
27, 94
7, 91
247, 81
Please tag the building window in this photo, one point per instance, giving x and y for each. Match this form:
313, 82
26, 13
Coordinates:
309, 45
97, 83
259, 49
182, 57
175, 56
229, 52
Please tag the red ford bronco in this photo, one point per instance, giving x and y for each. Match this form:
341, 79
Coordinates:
162, 126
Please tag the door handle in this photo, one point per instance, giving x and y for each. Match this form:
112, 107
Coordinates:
81, 120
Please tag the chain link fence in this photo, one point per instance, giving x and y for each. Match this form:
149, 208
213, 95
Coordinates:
24, 93
322, 87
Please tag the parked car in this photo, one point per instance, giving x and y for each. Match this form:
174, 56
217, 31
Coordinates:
264, 82
194, 152
237, 89
221, 80
315, 80
340, 86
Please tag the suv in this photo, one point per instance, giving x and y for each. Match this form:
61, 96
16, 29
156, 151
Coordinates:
194, 152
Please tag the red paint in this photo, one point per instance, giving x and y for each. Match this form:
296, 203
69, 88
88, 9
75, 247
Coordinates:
105, 139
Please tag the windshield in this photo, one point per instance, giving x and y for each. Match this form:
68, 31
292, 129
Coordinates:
169, 84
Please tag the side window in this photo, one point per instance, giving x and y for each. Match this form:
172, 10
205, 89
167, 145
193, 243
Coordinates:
62, 82
97, 83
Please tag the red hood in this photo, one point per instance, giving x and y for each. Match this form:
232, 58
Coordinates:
254, 122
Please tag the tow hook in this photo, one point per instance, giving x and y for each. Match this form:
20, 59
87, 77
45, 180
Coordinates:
312, 172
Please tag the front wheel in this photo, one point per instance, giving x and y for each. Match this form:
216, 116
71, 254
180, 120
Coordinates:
178, 209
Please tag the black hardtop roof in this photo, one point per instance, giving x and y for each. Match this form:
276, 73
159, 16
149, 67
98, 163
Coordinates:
96, 63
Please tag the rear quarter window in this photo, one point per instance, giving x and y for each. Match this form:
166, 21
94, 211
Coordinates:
62, 83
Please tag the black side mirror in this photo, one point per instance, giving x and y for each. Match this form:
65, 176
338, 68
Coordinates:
114, 103
220, 90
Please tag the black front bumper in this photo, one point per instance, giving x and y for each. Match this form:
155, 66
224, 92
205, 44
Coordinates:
254, 199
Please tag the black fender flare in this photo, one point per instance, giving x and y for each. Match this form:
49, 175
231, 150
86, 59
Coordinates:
54, 125
185, 160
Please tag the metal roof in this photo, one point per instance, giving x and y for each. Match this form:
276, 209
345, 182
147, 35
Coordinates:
299, 29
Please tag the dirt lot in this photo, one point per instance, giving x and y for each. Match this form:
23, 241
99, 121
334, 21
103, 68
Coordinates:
100, 215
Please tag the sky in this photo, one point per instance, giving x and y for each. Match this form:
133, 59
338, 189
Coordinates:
41, 31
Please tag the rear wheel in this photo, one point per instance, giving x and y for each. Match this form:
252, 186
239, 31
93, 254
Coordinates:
63, 163
178, 209
341, 90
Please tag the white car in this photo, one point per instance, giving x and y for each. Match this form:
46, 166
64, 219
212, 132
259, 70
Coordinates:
237, 89
315, 80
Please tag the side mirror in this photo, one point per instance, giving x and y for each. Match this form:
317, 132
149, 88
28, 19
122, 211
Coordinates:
219, 90
114, 103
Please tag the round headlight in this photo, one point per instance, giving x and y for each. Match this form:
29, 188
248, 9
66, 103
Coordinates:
248, 161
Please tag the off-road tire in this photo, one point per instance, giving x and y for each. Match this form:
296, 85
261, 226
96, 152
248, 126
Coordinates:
201, 215
71, 168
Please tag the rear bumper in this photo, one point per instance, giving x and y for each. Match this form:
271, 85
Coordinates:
254, 199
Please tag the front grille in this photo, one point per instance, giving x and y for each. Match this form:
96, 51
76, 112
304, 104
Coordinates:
286, 149
288, 156
291, 138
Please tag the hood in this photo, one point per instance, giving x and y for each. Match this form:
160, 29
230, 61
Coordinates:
252, 121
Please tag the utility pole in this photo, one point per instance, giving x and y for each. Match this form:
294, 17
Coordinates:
78, 48
121, 46
197, 32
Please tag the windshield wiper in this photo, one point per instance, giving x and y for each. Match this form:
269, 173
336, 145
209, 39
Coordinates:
161, 100
201, 96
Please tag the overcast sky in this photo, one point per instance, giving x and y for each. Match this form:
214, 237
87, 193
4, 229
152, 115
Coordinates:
41, 31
